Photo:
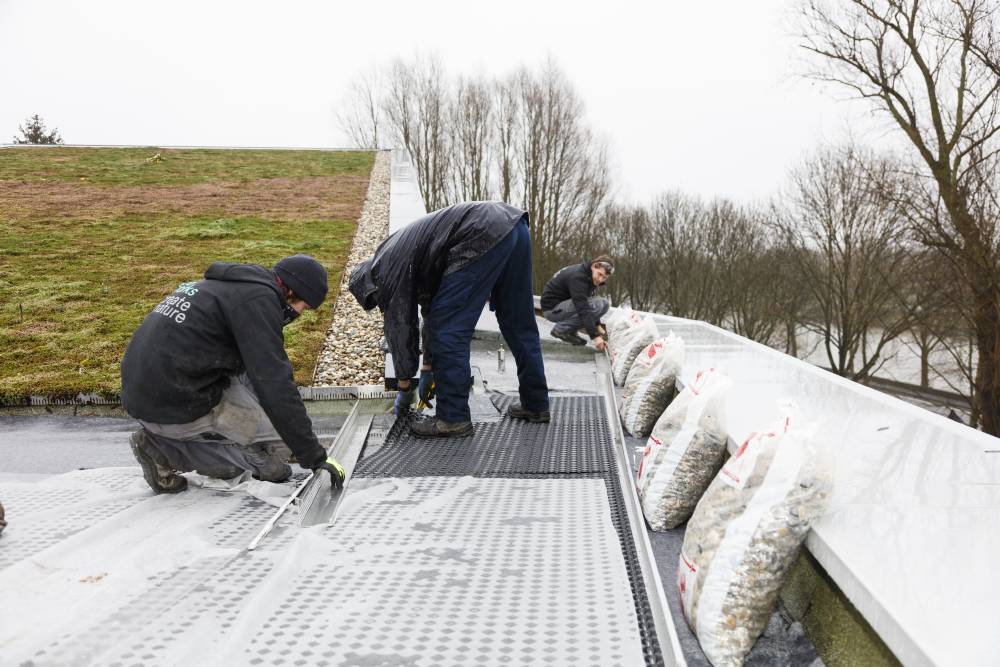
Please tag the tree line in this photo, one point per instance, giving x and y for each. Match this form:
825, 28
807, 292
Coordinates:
857, 249
520, 138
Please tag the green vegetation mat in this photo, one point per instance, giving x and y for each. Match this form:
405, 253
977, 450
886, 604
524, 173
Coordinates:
93, 238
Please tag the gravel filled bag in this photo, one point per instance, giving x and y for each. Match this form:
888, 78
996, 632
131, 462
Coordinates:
626, 346
684, 451
744, 536
651, 384
621, 319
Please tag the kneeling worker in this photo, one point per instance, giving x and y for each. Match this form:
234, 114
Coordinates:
568, 300
207, 377
449, 263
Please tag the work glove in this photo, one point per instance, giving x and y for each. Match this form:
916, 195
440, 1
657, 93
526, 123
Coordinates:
427, 388
404, 398
337, 473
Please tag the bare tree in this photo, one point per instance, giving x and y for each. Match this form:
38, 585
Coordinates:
930, 297
562, 167
934, 68
360, 113
683, 283
472, 126
752, 284
416, 106
791, 296
522, 138
506, 118
625, 232
850, 252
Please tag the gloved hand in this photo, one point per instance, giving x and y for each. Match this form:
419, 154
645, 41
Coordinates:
427, 388
404, 398
337, 473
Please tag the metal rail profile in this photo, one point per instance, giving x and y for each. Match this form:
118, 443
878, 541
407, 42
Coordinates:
315, 499
666, 633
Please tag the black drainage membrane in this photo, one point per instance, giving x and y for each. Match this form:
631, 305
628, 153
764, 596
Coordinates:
574, 444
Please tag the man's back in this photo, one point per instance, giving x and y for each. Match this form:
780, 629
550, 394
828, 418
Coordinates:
567, 281
180, 358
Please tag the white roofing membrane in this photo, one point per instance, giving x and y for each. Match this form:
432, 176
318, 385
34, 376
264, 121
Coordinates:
430, 571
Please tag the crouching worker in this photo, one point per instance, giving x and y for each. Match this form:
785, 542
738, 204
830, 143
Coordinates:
449, 263
207, 377
568, 300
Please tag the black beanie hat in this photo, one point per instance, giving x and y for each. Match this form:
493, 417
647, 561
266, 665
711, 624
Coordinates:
304, 276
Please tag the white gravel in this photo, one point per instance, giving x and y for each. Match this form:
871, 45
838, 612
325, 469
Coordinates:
351, 354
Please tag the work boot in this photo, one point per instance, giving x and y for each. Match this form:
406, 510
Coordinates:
568, 336
3, 523
540, 417
438, 428
155, 467
220, 472
267, 463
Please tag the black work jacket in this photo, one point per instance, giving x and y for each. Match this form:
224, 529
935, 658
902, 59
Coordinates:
407, 269
573, 282
182, 355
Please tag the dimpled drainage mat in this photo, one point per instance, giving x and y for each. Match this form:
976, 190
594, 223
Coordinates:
42, 517
418, 571
575, 442
462, 571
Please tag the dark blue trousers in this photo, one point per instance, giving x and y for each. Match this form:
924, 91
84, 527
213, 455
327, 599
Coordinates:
503, 275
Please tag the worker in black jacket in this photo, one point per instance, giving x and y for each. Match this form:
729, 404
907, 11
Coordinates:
207, 377
449, 263
568, 300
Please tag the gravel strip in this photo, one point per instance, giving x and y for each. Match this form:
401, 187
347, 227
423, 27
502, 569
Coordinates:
351, 354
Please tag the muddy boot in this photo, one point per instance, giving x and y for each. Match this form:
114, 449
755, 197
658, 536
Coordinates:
267, 463
568, 336
220, 472
438, 428
155, 467
517, 412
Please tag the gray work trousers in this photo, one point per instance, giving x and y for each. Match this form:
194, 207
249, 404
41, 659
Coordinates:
235, 436
568, 320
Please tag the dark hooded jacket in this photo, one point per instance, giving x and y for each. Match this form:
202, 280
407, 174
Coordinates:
573, 282
407, 269
182, 355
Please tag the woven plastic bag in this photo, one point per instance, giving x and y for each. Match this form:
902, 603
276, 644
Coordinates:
621, 319
744, 536
626, 346
651, 384
685, 451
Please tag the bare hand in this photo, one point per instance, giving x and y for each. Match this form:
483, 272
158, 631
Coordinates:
600, 344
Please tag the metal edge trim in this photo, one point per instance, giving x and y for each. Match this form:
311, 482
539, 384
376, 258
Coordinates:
344, 445
663, 619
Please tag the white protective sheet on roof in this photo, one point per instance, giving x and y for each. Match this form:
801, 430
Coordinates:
914, 536
421, 571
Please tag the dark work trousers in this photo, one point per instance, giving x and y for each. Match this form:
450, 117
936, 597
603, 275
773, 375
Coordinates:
502, 275
235, 436
567, 318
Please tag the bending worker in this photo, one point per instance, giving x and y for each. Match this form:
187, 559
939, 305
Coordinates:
207, 377
568, 300
449, 263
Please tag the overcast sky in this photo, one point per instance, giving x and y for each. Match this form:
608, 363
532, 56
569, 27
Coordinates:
698, 96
